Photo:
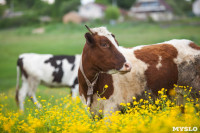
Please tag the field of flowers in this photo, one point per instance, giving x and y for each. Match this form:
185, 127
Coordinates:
66, 115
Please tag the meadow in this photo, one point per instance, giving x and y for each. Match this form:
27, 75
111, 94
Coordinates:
60, 113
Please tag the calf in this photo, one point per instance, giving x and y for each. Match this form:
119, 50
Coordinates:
47, 69
153, 67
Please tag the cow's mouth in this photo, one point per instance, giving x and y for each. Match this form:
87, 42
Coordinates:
124, 72
114, 71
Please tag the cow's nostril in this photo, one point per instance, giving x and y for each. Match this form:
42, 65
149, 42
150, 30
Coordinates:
127, 66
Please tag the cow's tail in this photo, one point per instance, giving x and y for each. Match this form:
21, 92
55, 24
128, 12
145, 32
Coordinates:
17, 85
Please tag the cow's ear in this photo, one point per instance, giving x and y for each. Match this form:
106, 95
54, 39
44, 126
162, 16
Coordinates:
89, 39
113, 35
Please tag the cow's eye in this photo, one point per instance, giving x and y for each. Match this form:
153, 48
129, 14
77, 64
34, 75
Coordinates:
104, 45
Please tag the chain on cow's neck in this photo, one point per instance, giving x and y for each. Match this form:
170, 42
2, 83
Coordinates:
89, 84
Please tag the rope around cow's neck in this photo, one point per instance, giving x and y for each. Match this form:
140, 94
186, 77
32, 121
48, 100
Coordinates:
89, 84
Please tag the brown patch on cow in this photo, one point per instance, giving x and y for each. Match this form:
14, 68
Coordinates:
167, 75
194, 46
104, 79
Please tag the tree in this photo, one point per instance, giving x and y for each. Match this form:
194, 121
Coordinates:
112, 13
69, 6
125, 4
104, 2
2, 9
180, 7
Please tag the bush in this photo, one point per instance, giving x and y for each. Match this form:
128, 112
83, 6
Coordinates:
2, 9
19, 21
112, 13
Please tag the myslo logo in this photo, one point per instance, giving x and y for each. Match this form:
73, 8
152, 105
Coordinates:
185, 129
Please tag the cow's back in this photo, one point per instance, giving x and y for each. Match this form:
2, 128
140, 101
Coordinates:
59, 70
34, 65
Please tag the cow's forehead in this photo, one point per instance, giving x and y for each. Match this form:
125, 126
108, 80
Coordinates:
102, 31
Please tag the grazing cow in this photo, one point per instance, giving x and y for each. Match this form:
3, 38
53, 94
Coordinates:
152, 68
50, 70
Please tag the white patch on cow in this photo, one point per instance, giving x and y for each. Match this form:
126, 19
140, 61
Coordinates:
58, 62
35, 66
159, 62
185, 52
82, 97
102, 31
139, 47
75, 91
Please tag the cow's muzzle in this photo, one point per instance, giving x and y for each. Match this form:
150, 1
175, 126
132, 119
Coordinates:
126, 68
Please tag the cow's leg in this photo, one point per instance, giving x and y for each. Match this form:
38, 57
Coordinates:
32, 90
75, 91
22, 94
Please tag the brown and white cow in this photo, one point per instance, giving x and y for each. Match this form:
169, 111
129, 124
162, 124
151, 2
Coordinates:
153, 67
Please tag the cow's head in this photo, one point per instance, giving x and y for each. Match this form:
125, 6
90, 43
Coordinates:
104, 52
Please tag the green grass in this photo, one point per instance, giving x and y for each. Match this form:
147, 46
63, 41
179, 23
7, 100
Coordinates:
69, 39
42, 93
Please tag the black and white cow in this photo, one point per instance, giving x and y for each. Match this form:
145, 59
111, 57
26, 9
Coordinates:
47, 69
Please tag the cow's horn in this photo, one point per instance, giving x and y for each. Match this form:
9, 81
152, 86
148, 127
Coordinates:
88, 29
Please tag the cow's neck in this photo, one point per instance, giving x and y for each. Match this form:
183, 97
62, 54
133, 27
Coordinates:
89, 70
90, 75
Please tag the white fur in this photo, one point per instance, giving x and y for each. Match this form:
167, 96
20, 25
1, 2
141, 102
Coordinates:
40, 72
58, 62
185, 52
159, 62
102, 31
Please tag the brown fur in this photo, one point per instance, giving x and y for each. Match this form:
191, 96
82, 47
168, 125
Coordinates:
17, 97
167, 75
194, 46
20, 64
104, 79
95, 59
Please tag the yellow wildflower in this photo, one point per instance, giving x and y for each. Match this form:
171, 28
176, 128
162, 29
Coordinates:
106, 86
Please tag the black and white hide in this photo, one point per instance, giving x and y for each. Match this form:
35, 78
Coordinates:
46, 69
